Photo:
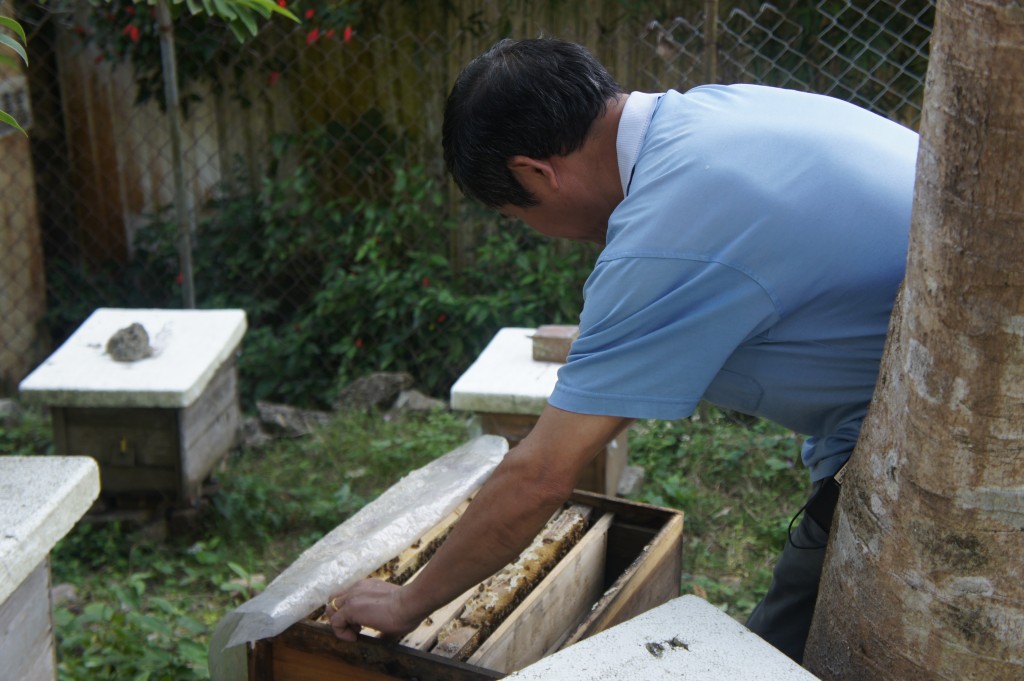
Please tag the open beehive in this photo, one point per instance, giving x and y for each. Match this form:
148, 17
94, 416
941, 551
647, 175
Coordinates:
598, 562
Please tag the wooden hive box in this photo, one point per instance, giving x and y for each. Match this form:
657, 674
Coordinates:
628, 562
157, 425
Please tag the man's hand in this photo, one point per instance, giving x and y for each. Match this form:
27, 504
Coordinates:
370, 603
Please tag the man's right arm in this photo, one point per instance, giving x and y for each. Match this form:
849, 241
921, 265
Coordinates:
533, 480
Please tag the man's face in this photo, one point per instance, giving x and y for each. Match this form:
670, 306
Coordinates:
564, 221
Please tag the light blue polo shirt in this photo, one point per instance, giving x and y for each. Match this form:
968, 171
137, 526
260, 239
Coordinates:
753, 262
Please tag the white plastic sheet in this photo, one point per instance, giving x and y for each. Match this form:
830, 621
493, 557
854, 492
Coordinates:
379, 531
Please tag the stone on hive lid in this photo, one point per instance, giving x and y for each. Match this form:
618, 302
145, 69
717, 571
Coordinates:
130, 344
552, 342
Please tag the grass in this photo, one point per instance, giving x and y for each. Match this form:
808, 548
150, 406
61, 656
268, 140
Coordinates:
738, 482
145, 607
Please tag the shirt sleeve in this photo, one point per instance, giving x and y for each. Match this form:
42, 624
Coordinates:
654, 333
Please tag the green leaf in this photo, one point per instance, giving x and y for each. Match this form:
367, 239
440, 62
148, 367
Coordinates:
163, 604
152, 624
193, 652
10, 42
266, 7
236, 11
13, 25
225, 10
237, 30
9, 120
246, 17
238, 570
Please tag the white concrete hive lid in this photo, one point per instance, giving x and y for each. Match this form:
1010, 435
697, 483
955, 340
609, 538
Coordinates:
188, 348
685, 638
505, 379
41, 499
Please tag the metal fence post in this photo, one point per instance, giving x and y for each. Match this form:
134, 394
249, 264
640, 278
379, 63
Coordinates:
170, 76
710, 41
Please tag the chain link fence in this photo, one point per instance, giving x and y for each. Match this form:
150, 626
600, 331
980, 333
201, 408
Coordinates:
310, 178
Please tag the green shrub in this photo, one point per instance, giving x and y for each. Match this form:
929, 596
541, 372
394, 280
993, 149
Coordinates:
335, 288
25, 432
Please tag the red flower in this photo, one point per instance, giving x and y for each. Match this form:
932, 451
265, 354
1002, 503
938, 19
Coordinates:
282, 3
347, 35
426, 282
313, 36
330, 33
310, 13
273, 77
132, 31
359, 342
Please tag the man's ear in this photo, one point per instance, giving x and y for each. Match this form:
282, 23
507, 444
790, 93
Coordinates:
537, 176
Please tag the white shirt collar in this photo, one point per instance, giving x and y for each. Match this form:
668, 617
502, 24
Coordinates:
636, 117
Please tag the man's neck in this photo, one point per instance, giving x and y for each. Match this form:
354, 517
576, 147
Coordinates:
599, 158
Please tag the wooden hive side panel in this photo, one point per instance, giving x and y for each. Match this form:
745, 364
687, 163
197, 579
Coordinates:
209, 429
26, 629
651, 579
137, 448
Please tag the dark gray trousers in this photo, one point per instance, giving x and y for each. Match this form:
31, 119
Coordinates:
783, 617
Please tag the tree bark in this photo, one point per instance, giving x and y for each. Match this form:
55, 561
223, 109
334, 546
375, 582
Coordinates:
925, 573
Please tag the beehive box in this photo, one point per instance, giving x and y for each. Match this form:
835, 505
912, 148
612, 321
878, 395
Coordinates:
627, 562
156, 425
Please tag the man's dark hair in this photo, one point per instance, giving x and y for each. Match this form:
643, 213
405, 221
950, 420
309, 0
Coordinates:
536, 97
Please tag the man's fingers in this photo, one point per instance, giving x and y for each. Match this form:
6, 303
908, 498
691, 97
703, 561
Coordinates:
343, 629
346, 633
